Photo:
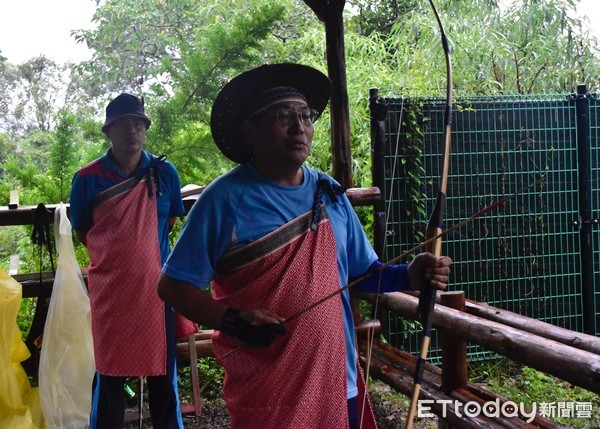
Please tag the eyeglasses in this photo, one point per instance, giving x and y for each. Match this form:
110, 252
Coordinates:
286, 117
126, 123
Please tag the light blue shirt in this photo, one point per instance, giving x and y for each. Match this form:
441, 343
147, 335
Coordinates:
103, 174
242, 206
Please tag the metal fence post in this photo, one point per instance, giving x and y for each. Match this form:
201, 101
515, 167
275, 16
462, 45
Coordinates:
378, 112
585, 210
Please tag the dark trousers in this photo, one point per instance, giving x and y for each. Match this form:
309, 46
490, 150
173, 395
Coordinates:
108, 395
353, 412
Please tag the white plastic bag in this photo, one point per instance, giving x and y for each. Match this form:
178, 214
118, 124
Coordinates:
67, 358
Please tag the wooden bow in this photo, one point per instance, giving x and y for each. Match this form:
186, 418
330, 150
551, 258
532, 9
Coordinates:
434, 228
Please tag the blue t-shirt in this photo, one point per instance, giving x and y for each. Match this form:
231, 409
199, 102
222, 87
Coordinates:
242, 206
103, 174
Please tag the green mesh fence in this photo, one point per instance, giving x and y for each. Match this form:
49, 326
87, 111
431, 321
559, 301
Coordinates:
525, 255
594, 115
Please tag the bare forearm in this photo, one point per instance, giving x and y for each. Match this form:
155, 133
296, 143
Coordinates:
191, 302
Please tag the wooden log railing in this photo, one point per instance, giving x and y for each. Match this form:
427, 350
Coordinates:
570, 362
447, 391
394, 367
568, 337
23, 215
568, 355
202, 345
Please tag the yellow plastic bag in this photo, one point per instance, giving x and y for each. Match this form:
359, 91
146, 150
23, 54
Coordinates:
67, 359
19, 402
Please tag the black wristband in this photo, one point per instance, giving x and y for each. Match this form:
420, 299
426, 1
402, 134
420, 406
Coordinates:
256, 335
229, 322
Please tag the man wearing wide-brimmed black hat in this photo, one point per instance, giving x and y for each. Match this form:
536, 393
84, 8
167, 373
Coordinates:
122, 208
272, 237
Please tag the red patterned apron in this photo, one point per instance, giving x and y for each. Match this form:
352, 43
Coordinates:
128, 317
299, 381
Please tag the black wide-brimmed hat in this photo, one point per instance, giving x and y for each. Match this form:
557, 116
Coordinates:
125, 105
232, 103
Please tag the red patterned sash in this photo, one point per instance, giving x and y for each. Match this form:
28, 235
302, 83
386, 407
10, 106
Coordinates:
128, 317
299, 381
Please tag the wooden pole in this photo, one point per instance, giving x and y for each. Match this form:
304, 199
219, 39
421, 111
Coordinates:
378, 109
454, 350
194, 374
575, 339
331, 14
487, 395
399, 379
203, 348
340, 114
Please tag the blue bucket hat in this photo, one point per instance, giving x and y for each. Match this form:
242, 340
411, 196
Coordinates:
125, 105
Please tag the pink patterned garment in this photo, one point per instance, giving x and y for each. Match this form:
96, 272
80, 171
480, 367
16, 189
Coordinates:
128, 317
299, 381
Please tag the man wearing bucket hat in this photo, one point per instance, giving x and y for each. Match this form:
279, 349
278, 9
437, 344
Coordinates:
272, 237
123, 206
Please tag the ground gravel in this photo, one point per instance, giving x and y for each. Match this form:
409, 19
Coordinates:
390, 413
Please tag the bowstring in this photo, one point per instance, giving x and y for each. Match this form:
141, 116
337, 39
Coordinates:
385, 235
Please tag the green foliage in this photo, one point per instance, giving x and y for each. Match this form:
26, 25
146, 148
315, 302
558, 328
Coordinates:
131, 40
40, 91
91, 143
7, 146
519, 383
8, 84
211, 377
25, 315
412, 168
62, 154
212, 374
378, 16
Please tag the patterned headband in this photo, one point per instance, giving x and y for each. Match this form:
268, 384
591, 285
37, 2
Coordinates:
266, 99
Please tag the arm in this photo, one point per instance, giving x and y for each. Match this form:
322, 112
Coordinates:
391, 279
177, 209
425, 267
252, 327
191, 302
172, 221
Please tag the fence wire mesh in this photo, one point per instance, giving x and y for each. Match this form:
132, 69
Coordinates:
525, 255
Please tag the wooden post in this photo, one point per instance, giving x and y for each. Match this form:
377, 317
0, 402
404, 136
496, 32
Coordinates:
366, 329
331, 14
454, 349
586, 224
194, 373
340, 115
454, 352
141, 403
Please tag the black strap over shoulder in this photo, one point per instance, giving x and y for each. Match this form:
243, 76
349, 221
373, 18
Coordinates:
332, 190
152, 171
